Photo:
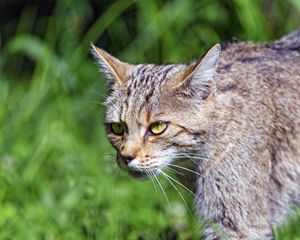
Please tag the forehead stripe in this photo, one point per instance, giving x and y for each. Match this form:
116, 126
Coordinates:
145, 78
149, 95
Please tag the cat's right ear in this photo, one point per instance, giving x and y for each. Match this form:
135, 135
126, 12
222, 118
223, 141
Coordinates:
115, 70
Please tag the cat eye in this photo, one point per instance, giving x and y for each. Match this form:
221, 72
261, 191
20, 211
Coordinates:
158, 127
117, 128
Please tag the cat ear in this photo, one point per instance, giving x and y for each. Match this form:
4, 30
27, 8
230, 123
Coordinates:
113, 68
199, 77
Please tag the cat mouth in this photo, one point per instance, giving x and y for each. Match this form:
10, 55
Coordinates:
142, 174
138, 174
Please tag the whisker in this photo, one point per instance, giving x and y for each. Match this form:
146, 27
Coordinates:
167, 177
189, 170
150, 175
193, 159
99, 103
161, 189
192, 155
101, 94
174, 171
180, 184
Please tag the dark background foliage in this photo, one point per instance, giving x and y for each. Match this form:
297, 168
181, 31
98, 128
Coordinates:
58, 177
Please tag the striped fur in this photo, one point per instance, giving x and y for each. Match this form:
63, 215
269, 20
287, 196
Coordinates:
234, 117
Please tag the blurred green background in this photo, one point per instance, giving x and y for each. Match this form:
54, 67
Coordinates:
58, 176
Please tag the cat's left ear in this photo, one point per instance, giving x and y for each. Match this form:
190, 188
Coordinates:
198, 78
114, 69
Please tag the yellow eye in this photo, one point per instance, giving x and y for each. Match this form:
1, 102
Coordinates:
117, 128
158, 127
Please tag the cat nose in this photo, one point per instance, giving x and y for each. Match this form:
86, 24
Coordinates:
127, 159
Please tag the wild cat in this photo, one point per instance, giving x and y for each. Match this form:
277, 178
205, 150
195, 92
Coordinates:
236, 112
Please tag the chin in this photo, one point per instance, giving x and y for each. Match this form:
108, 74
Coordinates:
138, 174
142, 174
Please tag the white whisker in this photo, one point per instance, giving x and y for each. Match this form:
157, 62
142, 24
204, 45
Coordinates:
151, 176
162, 189
101, 94
186, 169
169, 179
174, 171
180, 184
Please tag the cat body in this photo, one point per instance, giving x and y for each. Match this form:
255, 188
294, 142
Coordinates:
236, 113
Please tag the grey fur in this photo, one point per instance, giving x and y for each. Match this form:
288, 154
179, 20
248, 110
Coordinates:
244, 131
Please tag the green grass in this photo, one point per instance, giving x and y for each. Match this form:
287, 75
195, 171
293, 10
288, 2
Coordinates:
58, 177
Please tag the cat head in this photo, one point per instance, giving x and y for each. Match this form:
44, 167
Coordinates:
157, 113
